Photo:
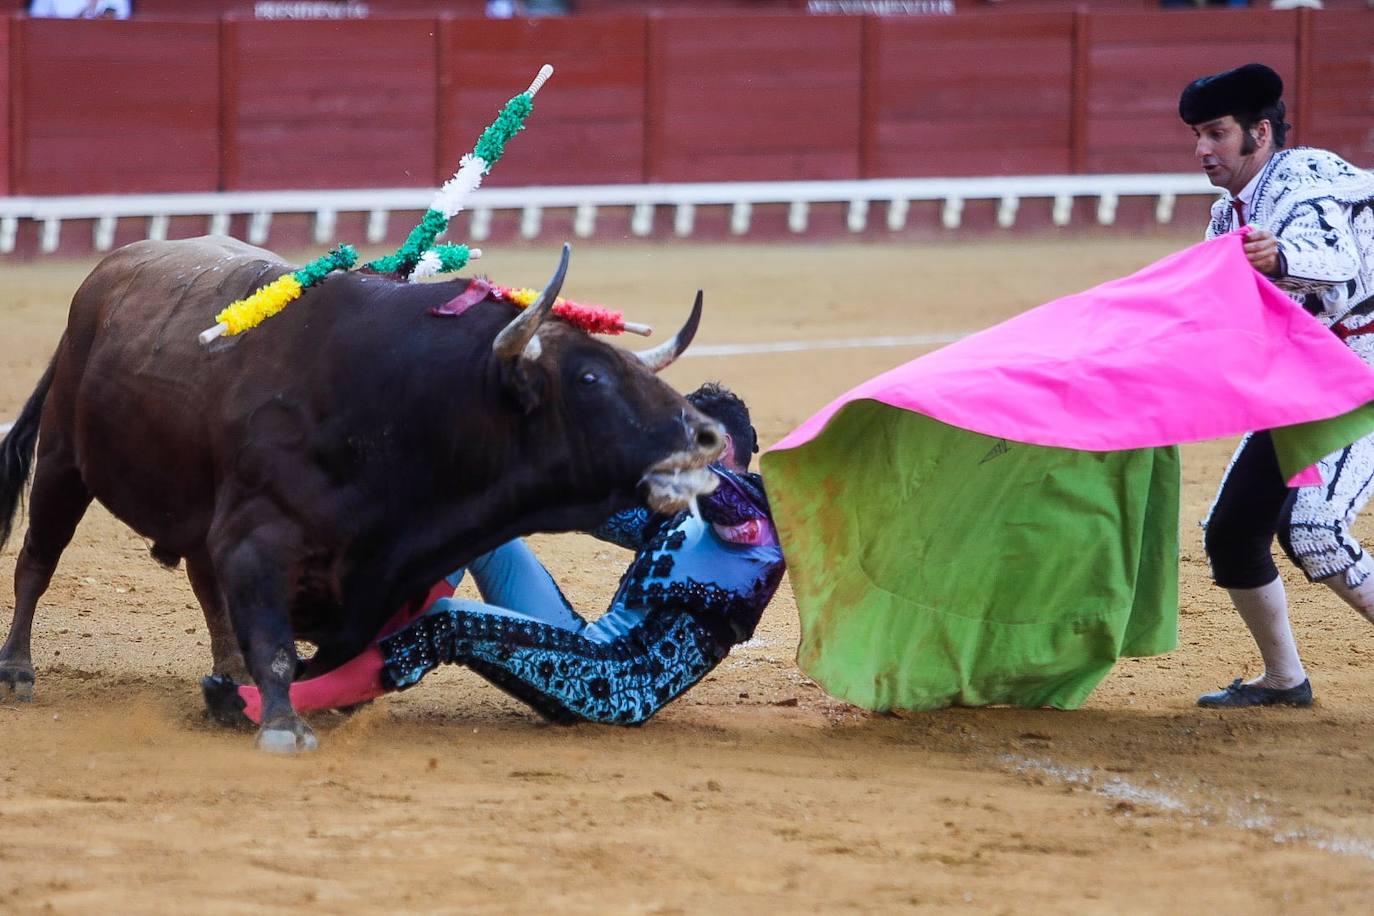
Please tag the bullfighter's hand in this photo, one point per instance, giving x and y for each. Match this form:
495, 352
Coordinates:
1262, 250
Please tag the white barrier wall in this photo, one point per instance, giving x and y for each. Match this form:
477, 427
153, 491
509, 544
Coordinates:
644, 200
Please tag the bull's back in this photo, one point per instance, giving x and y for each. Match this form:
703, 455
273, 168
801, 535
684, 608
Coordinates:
137, 394
145, 290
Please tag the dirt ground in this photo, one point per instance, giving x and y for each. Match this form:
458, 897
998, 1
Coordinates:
755, 791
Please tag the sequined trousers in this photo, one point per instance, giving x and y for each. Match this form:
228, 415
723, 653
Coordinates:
565, 677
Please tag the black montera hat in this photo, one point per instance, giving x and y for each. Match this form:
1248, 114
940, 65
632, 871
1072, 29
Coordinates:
1244, 90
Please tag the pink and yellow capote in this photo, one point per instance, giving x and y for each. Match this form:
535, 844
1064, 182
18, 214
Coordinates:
998, 521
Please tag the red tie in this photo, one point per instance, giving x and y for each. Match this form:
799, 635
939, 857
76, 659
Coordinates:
1239, 207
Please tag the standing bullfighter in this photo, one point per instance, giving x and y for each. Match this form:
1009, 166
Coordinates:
1312, 233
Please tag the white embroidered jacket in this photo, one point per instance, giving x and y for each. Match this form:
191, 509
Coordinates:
1322, 210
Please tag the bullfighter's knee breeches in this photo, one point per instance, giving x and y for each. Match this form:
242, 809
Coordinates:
1239, 529
1254, 504
563, 676
1314, 528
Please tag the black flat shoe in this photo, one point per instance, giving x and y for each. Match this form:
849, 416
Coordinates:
222, 701
1239, 695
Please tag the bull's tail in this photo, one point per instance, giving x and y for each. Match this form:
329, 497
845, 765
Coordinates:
16, 454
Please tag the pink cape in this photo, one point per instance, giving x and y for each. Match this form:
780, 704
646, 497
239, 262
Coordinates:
1195, 346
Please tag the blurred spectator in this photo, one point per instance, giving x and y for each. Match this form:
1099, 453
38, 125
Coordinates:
505, 9
79, 9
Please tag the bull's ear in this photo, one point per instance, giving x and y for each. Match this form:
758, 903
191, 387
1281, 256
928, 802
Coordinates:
525, 381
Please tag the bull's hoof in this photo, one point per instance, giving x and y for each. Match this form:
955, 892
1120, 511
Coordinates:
291, 739
18, 677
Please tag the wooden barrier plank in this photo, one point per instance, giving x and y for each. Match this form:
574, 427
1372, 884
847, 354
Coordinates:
372, 9
1095, 6
5, 104
1340, 91
715, 6
190, 9
108, 107
1140, 62
587, 126
363, 9
754, 97
343, 104
980, 94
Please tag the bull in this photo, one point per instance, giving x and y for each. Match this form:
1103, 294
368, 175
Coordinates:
320, 472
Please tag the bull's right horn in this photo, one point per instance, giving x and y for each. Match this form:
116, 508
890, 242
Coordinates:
510, 343
663, 355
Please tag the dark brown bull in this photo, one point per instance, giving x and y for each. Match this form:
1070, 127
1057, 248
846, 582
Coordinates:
318, 472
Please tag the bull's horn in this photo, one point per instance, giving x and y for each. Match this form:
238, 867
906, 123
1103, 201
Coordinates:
510, 343
663, 355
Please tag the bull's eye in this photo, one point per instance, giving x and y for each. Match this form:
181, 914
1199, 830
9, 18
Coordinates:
589, 378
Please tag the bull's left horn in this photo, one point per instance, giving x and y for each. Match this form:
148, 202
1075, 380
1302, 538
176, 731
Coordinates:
510, 343
663, 355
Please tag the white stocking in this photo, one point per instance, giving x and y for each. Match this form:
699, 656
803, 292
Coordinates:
1265, 612
1360, 597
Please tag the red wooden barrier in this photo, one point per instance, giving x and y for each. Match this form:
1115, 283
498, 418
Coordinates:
149, 105
670, 6
338, 104
4, 105
1338, 93
1063, 6
981, 94
105, 107
754, 98
1138, 63
189, 9
244, 9
587, 127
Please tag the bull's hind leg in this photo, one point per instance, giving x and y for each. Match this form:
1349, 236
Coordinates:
57, 502
224, 645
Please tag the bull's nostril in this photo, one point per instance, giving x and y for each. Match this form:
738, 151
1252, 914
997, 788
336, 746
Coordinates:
708, 438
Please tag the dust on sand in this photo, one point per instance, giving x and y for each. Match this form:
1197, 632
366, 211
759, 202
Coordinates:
753, 791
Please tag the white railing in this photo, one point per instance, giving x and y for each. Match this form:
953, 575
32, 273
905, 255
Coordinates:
741, 197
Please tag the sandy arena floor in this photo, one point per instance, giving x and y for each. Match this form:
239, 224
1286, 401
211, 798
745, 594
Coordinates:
755, 791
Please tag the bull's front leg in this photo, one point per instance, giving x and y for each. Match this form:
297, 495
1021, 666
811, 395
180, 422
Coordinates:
254, 575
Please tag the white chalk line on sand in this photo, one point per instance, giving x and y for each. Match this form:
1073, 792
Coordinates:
1253, 818
791, 346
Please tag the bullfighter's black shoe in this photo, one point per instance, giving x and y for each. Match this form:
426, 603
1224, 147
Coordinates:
1240, 695
222, 701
